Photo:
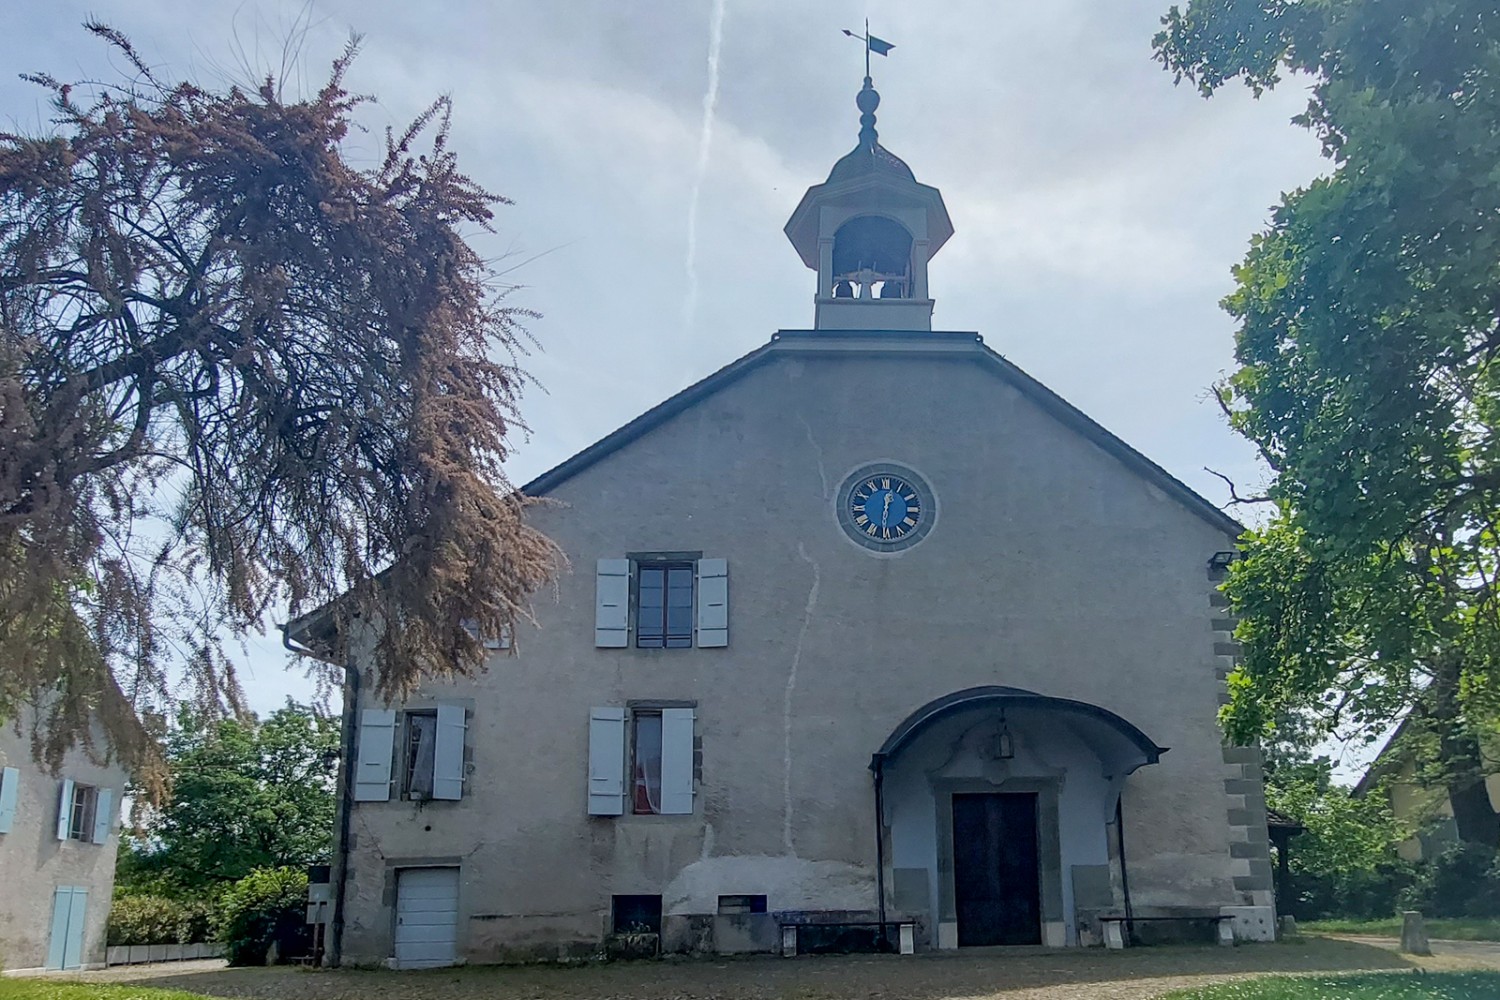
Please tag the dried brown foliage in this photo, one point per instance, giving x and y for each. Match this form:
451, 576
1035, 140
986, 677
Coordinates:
237, 370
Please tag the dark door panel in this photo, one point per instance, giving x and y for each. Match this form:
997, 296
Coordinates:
997, 886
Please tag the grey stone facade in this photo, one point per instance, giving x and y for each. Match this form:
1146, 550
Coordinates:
1062, 564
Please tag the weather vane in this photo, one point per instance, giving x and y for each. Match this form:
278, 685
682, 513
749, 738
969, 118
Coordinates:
879, 46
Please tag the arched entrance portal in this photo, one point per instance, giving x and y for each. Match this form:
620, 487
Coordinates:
998, 806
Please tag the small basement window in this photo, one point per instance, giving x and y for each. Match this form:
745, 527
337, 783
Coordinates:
741, 904
636, 914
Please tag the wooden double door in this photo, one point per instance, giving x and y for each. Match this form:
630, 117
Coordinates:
996, 868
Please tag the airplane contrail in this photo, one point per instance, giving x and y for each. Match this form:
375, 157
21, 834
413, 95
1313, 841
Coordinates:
705, 140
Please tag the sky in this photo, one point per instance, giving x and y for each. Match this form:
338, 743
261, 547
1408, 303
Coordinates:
653, 153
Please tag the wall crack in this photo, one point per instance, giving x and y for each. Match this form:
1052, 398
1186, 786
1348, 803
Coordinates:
791, 687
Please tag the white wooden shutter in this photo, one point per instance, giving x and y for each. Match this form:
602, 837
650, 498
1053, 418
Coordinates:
103, 814
64, 808
713, 602
377, 742
612, 603
10, 782
606, 761
676, 761
448, 753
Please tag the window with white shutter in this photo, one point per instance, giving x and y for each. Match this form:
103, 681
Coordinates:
377, 742
448, 756
676, 761
666, 600
713, 603
612, 603
65, 809
104, 805
606, 778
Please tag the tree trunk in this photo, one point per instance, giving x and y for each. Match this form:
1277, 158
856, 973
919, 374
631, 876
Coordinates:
1463, 762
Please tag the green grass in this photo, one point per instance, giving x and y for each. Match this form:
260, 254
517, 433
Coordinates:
1370, 986
46, 989
1452, 930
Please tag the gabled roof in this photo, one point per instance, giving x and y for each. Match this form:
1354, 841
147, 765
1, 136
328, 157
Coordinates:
957, 346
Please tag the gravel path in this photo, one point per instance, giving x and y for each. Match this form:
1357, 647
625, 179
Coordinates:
1009, 974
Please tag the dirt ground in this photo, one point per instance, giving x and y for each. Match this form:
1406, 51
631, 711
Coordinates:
1006, 974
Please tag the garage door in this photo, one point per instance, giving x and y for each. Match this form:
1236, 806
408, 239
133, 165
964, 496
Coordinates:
426, 917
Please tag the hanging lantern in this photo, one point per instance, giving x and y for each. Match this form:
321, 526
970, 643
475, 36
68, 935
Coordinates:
1003, 745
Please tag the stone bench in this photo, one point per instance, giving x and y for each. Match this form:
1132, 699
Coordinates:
906, 932
1115, 927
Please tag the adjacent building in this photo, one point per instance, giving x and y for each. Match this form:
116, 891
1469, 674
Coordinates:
869, 634
59, 834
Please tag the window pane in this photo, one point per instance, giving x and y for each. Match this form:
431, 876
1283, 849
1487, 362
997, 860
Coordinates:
646, 757
81, 818
421, 739
650, 607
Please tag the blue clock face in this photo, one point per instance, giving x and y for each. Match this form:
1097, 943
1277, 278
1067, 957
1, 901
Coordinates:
885, 507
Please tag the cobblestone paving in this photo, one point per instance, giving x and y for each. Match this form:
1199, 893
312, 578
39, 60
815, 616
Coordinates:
1012, 974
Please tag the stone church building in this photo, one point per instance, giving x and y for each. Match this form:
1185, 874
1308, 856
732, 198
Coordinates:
869, 635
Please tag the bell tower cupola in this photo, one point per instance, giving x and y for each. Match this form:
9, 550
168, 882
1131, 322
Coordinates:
869, 231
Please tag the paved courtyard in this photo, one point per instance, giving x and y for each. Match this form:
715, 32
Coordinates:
1010, 974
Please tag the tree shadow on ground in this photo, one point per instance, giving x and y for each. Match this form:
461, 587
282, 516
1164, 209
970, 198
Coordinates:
969, 974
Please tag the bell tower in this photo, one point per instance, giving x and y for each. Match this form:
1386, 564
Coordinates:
869, 231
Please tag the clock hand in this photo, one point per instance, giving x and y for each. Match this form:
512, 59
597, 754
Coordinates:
885, 515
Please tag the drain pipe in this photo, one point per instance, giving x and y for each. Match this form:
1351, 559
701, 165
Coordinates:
1124, 872
880, 847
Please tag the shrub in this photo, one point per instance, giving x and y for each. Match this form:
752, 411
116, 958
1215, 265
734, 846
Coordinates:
1463, 881
266, 907
142, 920
147, 919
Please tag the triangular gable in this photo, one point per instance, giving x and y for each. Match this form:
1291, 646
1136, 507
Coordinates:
951, 345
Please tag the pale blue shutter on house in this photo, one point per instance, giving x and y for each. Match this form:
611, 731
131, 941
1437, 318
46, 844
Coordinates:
713, 602
612, 603
377, 742
103, 814
64, 808
10, 783
69, 910
57, 943
676, 761
448, 753
606, 761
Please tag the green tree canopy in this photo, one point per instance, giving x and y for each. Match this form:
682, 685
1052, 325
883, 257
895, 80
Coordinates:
238, 369
243, 794
1367, 341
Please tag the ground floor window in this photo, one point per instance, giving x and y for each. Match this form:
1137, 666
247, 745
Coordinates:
741, 904
637, 914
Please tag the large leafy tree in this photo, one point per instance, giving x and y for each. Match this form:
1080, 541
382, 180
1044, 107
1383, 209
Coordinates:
1367, 343
238, 369
245, 794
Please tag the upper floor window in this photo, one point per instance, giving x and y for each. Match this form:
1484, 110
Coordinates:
81, 815
84, 812
665, 601
664, 605
419, 746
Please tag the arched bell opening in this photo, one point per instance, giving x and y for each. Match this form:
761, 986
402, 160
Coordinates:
872, 259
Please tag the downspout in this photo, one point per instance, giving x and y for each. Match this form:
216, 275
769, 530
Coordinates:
1124, 872
880, 847
346, 816
334, 947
